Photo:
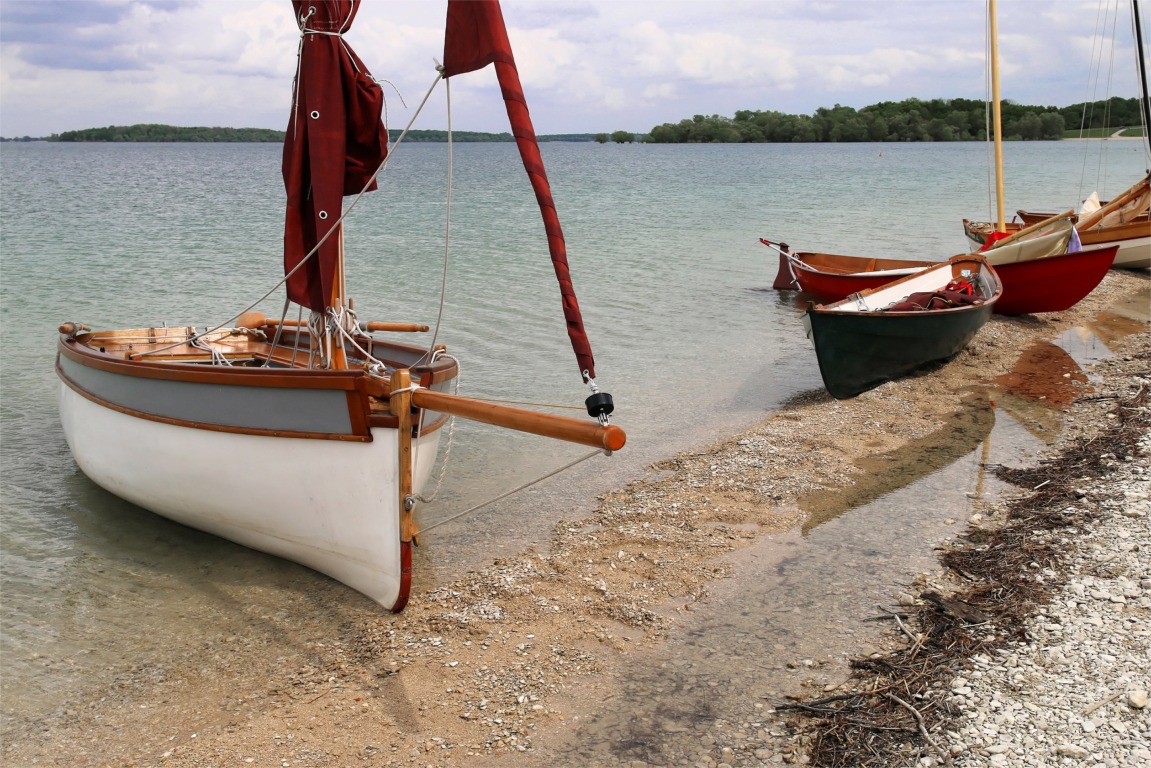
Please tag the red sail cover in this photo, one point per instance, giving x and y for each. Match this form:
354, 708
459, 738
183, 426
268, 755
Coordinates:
335, 142
476, 37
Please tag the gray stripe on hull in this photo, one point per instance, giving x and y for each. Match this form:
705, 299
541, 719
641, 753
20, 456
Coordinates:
224, 405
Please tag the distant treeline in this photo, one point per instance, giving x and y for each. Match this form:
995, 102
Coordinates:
908, 120
155, 132
169, 133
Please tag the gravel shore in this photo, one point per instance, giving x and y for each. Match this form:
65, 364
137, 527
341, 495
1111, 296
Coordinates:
1046, 661
1076, 692
492, 670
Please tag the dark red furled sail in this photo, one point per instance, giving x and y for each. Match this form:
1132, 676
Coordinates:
475, 37
335, 142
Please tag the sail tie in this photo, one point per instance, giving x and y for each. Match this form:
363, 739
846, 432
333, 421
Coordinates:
305, 30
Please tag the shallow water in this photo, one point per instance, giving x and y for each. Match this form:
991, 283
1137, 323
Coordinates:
766, 634
672, 282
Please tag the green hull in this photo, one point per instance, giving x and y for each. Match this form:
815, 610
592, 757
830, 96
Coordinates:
858, 351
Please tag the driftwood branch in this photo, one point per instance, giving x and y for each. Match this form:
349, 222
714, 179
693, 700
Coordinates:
943, 755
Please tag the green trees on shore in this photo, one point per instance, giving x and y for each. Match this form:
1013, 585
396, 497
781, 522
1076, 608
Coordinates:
152, 132
155, 132
908, 120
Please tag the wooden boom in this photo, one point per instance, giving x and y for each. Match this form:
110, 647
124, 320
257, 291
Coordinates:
1028, 230
610, 438
1093, 219
257, 320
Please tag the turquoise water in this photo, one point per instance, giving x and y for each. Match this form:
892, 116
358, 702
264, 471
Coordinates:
674, 286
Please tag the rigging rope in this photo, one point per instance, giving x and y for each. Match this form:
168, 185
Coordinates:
335, 227
529, 484
447, 220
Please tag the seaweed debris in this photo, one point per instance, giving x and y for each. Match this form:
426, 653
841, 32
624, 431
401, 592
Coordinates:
899, 699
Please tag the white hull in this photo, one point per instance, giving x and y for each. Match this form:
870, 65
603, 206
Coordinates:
332, 505
1133, 254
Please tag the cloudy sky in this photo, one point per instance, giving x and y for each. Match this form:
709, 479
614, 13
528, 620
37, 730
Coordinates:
586, 65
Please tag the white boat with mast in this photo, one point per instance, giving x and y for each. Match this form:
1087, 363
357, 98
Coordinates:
1122, 222
310, 438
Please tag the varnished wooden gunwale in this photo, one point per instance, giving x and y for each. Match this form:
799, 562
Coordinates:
845, 265
76, 349
366, 396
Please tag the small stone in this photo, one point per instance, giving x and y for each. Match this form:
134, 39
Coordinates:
1073, 751
1137, 699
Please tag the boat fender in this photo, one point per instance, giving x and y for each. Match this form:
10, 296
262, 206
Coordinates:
71, 329
599, 404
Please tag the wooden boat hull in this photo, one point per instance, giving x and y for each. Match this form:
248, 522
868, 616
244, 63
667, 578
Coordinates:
858, 354
301, 464
344, 524
1133, 242
830, 277
1050, 284
858, 348
829, 288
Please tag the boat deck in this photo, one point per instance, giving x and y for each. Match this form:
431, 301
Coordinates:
233, 346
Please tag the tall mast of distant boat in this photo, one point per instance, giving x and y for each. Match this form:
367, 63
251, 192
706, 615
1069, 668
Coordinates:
996, 115
1144, 97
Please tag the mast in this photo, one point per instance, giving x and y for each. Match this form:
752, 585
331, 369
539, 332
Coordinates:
1145, 99
997, 117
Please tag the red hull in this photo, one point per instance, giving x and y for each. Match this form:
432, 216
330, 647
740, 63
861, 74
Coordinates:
830, 288
1051, 284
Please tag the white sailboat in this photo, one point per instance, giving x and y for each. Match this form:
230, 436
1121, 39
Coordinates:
1123, 222
309, 438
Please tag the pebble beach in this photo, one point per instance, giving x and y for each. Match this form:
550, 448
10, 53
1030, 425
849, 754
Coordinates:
1077, 692
498, 668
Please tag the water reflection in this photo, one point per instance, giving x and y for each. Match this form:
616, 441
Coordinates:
963, 431
771, 632
1092, 342
1124, 318
1039, 388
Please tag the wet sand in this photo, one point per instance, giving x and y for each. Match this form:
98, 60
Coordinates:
499, 667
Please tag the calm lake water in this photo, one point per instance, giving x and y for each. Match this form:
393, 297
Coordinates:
673, 283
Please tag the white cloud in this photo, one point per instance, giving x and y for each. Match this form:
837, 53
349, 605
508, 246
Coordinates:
586, 65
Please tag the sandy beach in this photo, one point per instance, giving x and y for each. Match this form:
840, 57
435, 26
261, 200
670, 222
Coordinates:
495, 668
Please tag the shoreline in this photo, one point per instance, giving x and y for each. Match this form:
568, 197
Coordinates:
480, 669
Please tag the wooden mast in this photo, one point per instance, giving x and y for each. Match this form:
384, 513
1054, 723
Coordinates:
996, 116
